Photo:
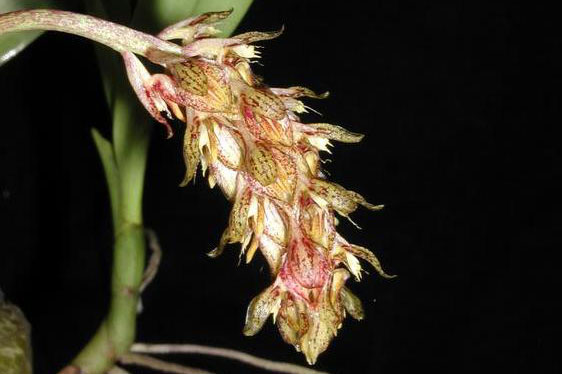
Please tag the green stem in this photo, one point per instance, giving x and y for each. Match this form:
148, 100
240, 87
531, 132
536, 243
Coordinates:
117, 332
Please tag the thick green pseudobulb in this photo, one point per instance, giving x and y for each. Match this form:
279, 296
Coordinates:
15, 347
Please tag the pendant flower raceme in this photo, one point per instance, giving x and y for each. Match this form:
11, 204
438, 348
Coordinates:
247, 138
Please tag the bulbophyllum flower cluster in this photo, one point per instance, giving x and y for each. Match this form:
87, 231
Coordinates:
249, 140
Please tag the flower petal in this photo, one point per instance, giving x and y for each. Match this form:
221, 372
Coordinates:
352, 304
260, 308
337, 196
191, 154
256, 36
292, 322
370, 257
194, 27
322, 329
265, 103
334, 132
298, 91
139, 78
238, 221
190, 77
261, 165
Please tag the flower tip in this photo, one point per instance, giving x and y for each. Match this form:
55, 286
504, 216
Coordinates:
389, 276
311, 359
215, 252
370, 206
311, 354
249, 330
187, 178
259, 310
226, 13
169, 130
212, 17
257, 36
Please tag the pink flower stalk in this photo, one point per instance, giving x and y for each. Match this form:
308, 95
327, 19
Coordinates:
249, 141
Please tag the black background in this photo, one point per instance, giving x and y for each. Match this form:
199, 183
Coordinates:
459, 101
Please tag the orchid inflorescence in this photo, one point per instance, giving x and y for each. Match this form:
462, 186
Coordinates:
249, 141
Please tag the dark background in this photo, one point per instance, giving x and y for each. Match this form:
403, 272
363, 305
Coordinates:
459, 102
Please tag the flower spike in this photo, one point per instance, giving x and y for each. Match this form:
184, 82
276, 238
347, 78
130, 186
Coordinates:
247, 139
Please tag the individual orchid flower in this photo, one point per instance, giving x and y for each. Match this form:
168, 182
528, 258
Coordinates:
249, 140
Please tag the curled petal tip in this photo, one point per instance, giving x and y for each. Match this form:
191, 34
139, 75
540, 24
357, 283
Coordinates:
169, 131
323, 95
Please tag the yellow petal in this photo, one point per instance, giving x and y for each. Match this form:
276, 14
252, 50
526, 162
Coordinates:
219, 93
191, 153
259, 309
353, 264
320, 143
238, 221
262, 166
321, 331
312, 161
352, 304
337, 196
339, 278
265, 103
252, 248
190, 77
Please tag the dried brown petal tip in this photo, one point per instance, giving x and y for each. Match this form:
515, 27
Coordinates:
361, 200
256, 36
213, 17
298, 91
335, 132
370, 257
